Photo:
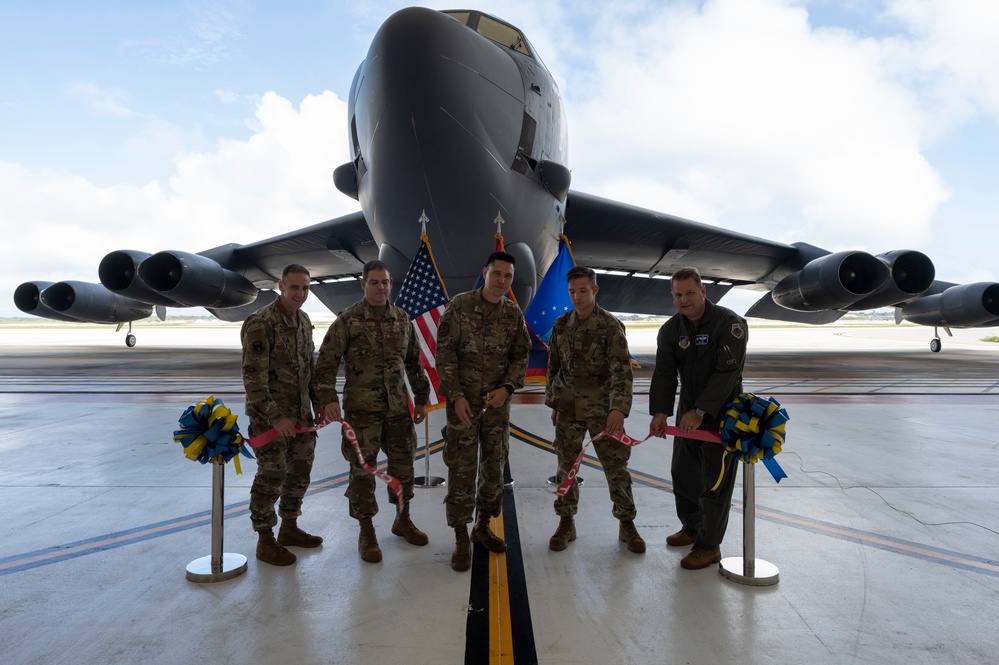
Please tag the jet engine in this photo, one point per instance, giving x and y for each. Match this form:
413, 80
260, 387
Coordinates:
119, 273
959, 306
27, 298
92, 303
833, 281
911, 273
195, 281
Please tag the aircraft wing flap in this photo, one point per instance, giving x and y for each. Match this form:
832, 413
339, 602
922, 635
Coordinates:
335, 248
615, 236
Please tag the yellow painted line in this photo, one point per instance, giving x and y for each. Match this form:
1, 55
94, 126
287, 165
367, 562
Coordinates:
500, 625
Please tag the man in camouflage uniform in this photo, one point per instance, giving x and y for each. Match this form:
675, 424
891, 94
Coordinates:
705, 345
482, 349
589, 389
277, 376
377, 342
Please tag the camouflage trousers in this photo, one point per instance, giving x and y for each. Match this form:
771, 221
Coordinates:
284, 467
391, 433
481, 449
613, 456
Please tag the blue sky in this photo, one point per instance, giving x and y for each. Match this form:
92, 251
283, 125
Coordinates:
848, 125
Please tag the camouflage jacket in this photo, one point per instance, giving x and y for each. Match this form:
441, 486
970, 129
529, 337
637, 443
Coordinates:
380, 352
589, 367
477, 353
278, 358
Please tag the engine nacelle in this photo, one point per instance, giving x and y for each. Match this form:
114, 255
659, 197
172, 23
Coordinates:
911, 273
93, 303
961, 305
195, 281
119, 273
27, 298
833, 281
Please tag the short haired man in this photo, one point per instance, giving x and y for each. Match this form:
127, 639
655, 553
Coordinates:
589, 389
482, 350
277, 374
378, 344
705, 346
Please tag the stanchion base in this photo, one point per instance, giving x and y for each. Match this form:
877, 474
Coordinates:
763, 573
432, 481
200, 570
552, 480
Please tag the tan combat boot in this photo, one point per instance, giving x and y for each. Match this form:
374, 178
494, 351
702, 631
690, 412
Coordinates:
291, 536
403, 526
629, 534
367, 542
564, 534
461, 560
700, 558
270, 551
481, 533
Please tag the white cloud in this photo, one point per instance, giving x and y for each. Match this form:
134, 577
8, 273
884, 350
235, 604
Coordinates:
779, 129
277, 180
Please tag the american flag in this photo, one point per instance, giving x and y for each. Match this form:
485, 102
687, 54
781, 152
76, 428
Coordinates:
424, 298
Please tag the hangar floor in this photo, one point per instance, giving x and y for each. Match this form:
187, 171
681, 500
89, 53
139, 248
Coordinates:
885, 532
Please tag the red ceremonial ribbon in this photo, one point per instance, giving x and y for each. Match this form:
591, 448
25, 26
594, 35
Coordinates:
348, 431
621, 437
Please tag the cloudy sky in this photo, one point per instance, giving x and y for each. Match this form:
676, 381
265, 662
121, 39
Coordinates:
848, 124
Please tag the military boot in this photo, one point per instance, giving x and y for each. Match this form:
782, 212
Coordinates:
403, 526
461, 560
270, 551
627, 533
291, 536
481, 533
564, 534
367, 542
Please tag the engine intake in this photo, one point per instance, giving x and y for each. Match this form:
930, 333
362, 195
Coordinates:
195, 281
27, 298
911, 274
119, 273
833, 281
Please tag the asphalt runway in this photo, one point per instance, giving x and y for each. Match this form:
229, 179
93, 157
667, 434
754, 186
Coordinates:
789, 359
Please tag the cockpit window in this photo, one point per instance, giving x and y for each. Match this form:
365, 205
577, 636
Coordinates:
503, 34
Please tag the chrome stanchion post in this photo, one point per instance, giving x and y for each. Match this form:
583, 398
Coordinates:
747, 569
218, 566
427, 480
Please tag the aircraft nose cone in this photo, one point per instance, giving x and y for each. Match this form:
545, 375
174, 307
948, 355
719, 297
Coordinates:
438, 111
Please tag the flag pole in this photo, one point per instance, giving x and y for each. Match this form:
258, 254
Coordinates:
427, 480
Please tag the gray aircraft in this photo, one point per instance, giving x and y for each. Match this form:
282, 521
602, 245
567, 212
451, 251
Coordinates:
453, 117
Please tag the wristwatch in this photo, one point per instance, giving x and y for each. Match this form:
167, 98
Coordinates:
700, 413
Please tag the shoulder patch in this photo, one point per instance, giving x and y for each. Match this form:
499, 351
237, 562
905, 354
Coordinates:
738, 331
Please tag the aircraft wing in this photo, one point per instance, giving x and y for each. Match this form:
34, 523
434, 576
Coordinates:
644, 244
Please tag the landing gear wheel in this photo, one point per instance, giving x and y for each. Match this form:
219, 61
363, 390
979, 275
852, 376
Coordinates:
130, 340
935, 345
